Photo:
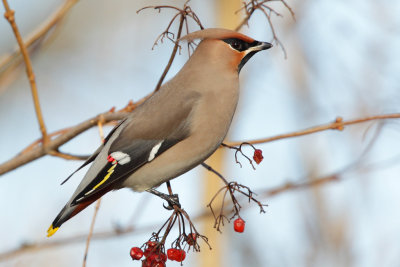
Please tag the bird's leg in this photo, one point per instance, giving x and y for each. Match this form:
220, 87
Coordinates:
171, 199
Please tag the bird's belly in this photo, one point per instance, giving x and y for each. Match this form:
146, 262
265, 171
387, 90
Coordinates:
170, 164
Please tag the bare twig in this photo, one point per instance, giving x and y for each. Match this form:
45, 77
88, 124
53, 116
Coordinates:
338, 124
9, 15
183, 14
251, 6
230, 187
98, 202
172, 57
238, 149
91, 231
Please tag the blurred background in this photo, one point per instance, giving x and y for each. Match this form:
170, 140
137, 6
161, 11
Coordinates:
342, 59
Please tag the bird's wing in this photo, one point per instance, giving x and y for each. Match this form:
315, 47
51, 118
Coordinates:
96, 153
139, 142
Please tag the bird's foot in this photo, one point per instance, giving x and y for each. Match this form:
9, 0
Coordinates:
171, 199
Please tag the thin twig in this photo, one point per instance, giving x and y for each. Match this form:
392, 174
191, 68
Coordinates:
173, 54
96, 210
252, 5
9, 15
91, 232
183, 13
338, 124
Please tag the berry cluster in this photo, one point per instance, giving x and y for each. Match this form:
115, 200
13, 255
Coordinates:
155, 256
153, 253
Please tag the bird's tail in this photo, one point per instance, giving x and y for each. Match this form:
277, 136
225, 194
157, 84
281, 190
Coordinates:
73, 207
65, 214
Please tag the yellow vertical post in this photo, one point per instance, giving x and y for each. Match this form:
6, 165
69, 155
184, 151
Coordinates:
226, 18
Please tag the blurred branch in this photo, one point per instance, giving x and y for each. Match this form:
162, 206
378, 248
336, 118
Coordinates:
38, 34
9, 15
338, 124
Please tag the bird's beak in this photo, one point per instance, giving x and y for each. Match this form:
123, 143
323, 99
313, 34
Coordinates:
260, 46
251, 51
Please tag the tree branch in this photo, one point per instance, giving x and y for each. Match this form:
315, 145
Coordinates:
53, 145
9, 15
338, 124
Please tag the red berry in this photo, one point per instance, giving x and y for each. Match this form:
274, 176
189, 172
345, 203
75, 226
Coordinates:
151, 244
147, 252
171, 252
238, 225
258, 157
180, 255
155, 260
136, 253
151, 248
176, 254
155, 257
191, 239
158, 264
146, 263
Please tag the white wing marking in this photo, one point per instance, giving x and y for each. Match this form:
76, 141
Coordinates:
121, 157
154, 151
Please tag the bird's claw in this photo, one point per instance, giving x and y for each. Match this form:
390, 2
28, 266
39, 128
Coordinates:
173, 200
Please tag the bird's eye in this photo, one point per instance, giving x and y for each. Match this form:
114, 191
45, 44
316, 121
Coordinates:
237, 45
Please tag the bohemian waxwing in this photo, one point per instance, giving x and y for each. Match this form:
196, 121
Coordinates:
174, 130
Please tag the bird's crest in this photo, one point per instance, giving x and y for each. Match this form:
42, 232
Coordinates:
216, 33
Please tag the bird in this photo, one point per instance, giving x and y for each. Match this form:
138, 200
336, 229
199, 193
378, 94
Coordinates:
175, 129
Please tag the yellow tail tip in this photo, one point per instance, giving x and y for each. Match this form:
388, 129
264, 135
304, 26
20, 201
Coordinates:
51, 230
